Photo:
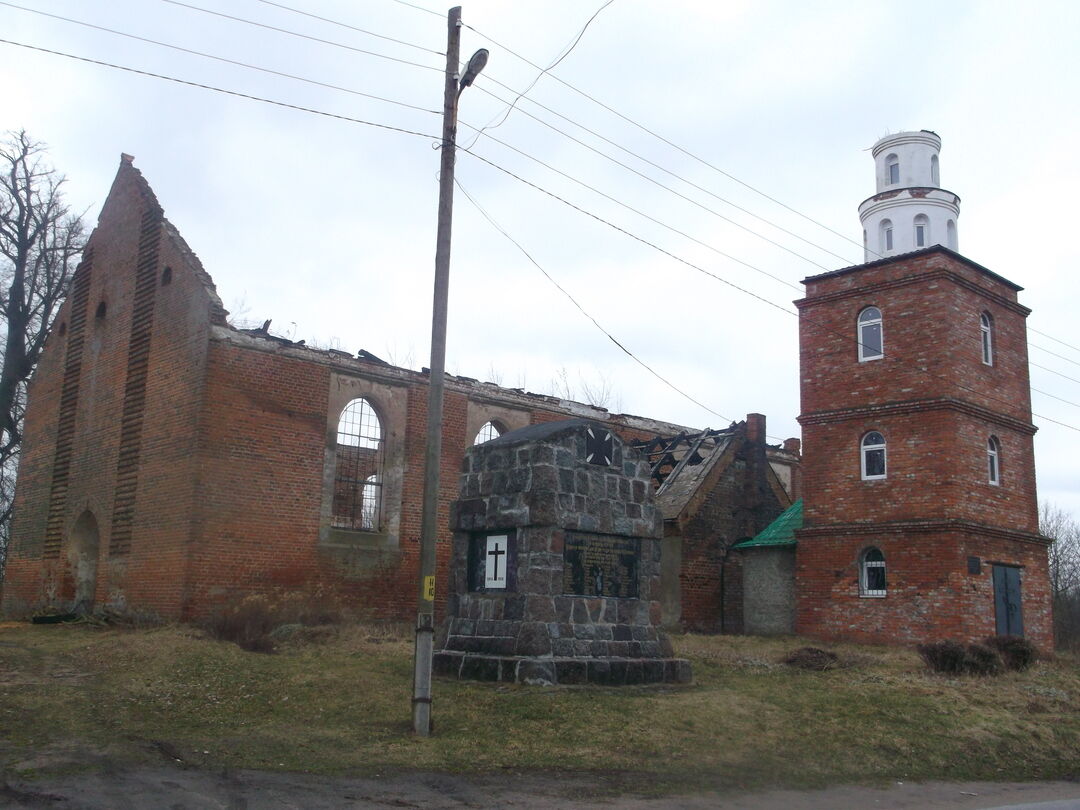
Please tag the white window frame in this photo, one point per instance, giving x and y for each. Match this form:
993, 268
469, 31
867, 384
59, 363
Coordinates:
993, 461
865, 449
922, 231
986, 338
864, 352
892, 170
864, 578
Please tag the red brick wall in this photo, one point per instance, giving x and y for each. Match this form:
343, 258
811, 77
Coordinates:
936, 403
930, 594
737, 503
150, 573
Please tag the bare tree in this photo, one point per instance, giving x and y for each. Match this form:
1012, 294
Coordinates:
1064, 572
40, 241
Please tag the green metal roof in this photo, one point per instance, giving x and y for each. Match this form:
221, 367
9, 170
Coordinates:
781, 532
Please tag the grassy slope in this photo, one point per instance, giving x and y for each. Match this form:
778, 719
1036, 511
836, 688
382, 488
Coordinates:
342, 705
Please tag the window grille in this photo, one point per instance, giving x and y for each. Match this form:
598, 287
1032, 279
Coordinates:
872, 573
359, 468
487, 432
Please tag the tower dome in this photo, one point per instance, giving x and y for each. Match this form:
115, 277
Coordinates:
910, 210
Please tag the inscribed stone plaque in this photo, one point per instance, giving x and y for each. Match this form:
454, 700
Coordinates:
601, 565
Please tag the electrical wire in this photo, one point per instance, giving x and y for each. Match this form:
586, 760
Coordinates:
766, 301
656, 182
302, 36
1054, 354
1062, 342
1058, 373
222, 59
420, 8
350, 27
630, 208
680, 149
532, 84
238, 94
582, 310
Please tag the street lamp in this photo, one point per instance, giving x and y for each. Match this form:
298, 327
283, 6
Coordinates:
425, 613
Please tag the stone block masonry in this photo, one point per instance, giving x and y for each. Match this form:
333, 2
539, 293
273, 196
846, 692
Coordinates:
579, 600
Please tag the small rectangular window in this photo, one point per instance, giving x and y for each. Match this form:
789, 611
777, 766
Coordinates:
894, 173
888, 238
920, 235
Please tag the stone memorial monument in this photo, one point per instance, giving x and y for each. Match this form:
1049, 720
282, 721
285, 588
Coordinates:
555, 573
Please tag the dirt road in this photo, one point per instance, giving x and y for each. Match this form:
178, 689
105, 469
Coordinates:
178, 788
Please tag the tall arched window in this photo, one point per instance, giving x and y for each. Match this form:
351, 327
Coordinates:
487, 432
886, 235
359, 469
892, 170
993, 460
870, 336
922, 230
872, 573
986, 335
950, 232
935, 178
873, 456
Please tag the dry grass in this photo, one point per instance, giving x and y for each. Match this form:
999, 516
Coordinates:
342, 705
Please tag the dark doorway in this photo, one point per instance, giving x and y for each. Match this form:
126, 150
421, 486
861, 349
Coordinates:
1010, 619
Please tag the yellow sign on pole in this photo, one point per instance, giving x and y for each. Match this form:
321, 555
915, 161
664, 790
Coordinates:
429, 589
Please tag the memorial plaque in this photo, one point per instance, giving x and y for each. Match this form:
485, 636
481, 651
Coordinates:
492, 561
601, 565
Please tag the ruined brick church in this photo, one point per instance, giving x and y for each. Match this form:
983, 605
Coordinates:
172, 462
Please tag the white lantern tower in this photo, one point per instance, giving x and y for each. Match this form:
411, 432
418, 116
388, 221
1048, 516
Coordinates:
910, 210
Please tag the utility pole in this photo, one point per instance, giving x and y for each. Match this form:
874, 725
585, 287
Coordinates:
425, 613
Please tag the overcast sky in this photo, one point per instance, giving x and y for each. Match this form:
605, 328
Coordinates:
328, 226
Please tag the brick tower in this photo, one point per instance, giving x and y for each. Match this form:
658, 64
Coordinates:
920, 513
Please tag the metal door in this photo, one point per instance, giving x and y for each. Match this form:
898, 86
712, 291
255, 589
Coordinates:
1010, 620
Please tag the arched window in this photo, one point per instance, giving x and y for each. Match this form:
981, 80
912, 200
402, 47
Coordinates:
986, 331
359, 468
922, 230
886, 235
870, 337
950, 232
892, 170
487, 432
873, 456
872, 573
993, 460
935, 178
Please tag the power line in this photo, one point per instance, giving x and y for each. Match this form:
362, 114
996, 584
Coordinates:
1058, 373
661, 185
766, 301
220, 58
419, 8
661, 138
581, 309
629, 207
1054, 354
350, 27
1062, 342
302, 36
532, 84
221, 90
